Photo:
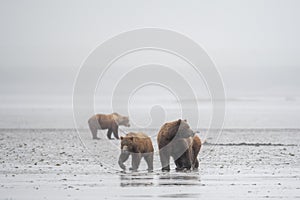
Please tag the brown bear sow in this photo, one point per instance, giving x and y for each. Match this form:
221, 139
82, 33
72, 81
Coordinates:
176, 139
110, 122
139, 146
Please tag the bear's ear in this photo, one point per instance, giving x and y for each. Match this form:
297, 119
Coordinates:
178, 122
185, 120
122, 137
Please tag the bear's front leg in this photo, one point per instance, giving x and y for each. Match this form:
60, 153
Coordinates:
184, 162
94, 132
178, 164
93, 125
135, 163
123, 157
164, 159
109, 132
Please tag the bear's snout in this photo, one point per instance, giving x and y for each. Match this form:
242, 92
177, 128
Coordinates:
127, 125
124, 149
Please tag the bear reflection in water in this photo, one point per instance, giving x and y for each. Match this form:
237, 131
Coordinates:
164, 179
136, 179
180, 178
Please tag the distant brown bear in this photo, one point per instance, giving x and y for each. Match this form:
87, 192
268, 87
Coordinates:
139, 146
110, 122
176, 139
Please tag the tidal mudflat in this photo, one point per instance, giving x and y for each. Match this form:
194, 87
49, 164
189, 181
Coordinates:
53, 163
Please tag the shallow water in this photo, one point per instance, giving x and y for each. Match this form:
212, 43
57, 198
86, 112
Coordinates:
53, 163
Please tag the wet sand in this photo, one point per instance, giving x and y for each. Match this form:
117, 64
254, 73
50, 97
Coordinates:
53, 163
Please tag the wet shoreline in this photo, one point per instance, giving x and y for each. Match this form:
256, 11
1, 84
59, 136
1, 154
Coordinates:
50, 164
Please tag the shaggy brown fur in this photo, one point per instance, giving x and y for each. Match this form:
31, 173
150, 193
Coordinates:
176, 139
110, 122
139, 146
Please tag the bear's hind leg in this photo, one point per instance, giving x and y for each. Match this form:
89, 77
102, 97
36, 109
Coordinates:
149, 160
115, 131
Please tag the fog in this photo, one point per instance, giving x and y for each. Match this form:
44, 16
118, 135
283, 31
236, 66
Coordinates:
254, 44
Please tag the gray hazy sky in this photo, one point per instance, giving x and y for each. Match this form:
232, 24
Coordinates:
255, 44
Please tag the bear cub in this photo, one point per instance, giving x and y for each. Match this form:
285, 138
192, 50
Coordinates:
139, 146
